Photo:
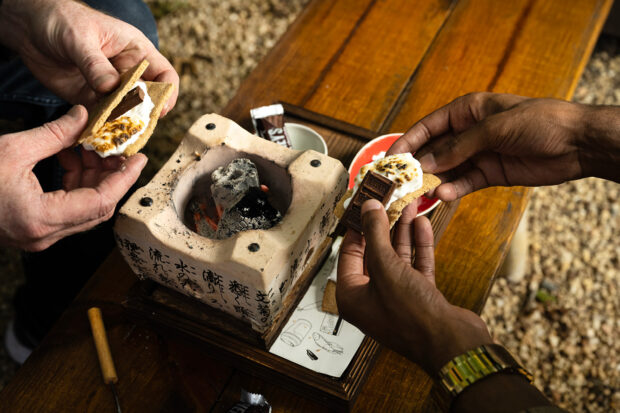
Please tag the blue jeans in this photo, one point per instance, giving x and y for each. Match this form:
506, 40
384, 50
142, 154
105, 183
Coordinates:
56, 275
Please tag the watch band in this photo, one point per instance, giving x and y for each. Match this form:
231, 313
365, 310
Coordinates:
476, 364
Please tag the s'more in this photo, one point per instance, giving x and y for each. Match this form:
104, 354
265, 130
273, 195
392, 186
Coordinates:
124, 120
396, 181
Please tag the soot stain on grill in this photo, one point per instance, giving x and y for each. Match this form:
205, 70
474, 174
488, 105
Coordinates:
324, 221
309, 254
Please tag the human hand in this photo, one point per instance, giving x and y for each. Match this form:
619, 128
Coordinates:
78, 52
488, 139
380, 292
34, 220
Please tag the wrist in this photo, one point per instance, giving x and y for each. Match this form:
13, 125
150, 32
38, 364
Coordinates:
488, 367
461, 330
599, 145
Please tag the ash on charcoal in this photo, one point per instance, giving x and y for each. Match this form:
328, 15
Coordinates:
232, 182
253, 212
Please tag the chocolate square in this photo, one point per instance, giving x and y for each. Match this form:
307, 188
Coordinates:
375, 186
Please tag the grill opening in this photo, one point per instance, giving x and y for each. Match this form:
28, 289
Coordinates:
195, 185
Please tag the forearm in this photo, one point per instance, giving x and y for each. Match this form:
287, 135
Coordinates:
600, 144
499, 392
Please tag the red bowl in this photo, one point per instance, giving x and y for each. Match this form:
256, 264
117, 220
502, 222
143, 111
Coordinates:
374, 147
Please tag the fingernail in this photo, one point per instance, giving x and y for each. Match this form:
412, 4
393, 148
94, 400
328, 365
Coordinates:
143, 161
75, 112
428, 162
102, 80
371, 205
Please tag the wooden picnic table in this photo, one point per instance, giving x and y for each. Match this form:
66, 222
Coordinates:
365, 67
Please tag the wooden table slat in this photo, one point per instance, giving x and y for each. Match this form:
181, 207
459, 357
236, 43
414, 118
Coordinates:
533, 48
378, 62
293, 66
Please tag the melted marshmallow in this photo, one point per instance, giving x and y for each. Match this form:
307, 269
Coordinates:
402, 168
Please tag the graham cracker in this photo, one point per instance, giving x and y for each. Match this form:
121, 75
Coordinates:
429, 181
329, 298
158, 91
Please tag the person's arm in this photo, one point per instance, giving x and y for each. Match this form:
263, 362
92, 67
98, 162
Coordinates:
77, 52
32, 219
397, 303
600, 142
488, 139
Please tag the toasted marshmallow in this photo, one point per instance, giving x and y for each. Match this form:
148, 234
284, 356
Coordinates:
402, 168
116, 135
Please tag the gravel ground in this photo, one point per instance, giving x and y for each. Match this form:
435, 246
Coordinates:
561, 318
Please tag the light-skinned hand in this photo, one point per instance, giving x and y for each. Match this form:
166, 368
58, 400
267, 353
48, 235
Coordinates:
489, 139
77, 52
395, 302
33, 220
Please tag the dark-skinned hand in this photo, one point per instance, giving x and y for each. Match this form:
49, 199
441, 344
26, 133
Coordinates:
395, 302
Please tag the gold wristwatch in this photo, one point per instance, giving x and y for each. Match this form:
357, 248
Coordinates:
473, 365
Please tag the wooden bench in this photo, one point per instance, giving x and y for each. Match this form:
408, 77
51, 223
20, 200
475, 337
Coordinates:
354, 69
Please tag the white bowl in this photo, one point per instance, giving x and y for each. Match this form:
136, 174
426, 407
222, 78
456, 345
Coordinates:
304, 138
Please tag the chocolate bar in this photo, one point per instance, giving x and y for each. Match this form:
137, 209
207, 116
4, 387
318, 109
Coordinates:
131, 100
375, 186
269, 124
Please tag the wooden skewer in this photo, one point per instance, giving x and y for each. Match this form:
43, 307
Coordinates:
101, 343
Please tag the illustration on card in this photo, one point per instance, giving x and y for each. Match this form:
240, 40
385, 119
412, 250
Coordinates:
311, 355
329, 346
296, 332
330, 324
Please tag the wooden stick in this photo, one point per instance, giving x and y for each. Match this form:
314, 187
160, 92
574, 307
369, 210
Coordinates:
103, 349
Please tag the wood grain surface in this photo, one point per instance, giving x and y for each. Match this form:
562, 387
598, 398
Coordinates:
379, 65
